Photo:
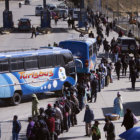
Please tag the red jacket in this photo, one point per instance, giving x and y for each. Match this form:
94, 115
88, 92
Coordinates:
51, 124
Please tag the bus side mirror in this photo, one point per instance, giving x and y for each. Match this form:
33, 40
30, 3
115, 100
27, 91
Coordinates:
78, 64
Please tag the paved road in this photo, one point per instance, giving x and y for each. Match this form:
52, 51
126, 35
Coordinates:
105, 98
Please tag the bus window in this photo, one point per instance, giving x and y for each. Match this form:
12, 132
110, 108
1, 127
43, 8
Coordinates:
59, 60
68, 57
31, 62
17, 64
50, 60
4, 66
42, 61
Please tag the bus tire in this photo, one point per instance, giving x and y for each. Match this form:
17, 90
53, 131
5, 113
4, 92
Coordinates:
16, 99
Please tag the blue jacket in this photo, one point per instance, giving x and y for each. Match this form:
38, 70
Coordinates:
89, 116
16, 127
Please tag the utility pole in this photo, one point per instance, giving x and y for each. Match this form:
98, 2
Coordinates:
137, 9
107, 8
118, 10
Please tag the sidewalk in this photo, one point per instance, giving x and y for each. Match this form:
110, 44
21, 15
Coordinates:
103, 105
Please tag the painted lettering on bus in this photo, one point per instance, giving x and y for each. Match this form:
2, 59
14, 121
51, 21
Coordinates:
24, 75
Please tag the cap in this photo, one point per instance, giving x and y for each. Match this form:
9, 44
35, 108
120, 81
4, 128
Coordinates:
49, 105
34, 95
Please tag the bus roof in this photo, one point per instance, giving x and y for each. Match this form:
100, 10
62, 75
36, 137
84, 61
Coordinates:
31, 52
88, 41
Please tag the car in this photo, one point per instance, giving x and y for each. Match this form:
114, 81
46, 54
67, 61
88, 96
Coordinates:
51, 7
62, 6
62, 13
38, 10
127, 44
24, 24
27, 2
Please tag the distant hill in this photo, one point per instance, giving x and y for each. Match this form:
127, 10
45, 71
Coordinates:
124, 5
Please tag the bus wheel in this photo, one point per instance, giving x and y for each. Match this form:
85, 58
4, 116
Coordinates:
16, 99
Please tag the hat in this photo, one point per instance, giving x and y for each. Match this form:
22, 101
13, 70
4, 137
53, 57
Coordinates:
49, 105
34, 95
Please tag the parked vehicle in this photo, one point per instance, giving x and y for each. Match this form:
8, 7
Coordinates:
62, 13
25, 72
24, 24
83, 49
127, 44
62, 6
51, 7
75, 13
27, 2
38, 10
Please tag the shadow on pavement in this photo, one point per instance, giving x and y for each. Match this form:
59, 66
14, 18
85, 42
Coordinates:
125, 90
59, 30
107, 110
22, 137
28, 15
28, 98
134, 106
67, 138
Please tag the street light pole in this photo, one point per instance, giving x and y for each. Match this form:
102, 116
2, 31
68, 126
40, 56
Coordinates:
107, 7
118, 1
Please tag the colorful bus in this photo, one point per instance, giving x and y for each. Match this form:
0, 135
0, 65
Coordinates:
84, 49
35, 71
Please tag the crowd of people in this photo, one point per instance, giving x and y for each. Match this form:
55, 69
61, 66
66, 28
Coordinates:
49, 123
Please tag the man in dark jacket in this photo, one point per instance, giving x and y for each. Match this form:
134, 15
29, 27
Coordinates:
109, 129
128, 120
118, 66
44, 133
133, 76
16, 128
94, 89
88, 118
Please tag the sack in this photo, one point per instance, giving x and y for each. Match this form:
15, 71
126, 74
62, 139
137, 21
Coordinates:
136, 120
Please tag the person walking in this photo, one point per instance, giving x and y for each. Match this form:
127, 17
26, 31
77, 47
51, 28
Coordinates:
107, 30
133, 76
33, 32
16, 128
118, 105
109, 129
88, 118
128, 120
118, 66
96, 134
35, 103
91, 35
56, 19
124, 61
